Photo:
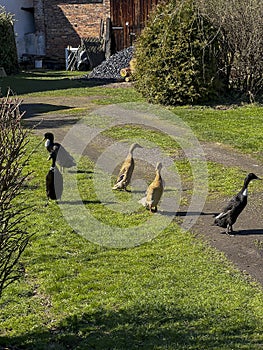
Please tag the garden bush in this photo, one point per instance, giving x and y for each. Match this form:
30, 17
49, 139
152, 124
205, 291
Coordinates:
177, 56
8, 53
195, 50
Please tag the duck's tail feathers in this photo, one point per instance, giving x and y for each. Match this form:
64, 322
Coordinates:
117, 186
120, 183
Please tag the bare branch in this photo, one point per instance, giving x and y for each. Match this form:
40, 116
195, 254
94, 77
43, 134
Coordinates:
13, 209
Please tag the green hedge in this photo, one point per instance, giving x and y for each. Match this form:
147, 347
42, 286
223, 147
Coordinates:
8, 52
177, 56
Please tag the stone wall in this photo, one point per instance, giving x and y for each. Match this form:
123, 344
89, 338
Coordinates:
64, 22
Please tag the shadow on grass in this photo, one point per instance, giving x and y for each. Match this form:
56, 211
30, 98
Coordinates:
143, 327
35, 109
185, 213
79, 171
30, 82
81, 202
192, 213
49, 124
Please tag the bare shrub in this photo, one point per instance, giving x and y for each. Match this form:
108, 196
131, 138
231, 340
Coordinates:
13, 209
240, 22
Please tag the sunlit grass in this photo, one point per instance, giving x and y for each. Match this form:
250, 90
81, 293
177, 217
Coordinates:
240, 127
58, 84
154, 137
222, 180
172, 292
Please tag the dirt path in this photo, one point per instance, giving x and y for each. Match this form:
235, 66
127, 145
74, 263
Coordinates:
244, 249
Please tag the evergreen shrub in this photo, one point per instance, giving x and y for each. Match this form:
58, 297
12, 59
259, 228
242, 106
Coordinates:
8, 52
177, 56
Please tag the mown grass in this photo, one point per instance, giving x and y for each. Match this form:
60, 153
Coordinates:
61, 83
222, 180
38, 81
240, 127
172, 292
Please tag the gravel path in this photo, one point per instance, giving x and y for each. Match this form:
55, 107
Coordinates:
245, 249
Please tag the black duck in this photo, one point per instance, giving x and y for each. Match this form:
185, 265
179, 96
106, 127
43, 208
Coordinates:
54, 184
230, 213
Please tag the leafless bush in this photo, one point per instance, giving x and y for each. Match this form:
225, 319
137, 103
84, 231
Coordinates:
13, 209
241, 26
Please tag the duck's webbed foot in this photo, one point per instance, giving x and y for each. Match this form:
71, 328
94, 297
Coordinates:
229, 230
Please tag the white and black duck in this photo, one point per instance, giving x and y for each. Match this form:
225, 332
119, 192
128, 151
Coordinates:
58, 153
231, 212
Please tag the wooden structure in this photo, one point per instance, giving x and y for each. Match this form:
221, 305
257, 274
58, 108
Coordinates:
128, 18
55, 25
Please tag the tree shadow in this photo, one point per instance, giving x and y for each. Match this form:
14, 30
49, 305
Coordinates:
139, 327
28, 82
34, 109
49, 123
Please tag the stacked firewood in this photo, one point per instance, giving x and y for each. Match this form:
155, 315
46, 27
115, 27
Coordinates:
128, 72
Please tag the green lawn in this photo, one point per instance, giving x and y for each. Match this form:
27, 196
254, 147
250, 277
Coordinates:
239, 127
59, 84
173, 292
